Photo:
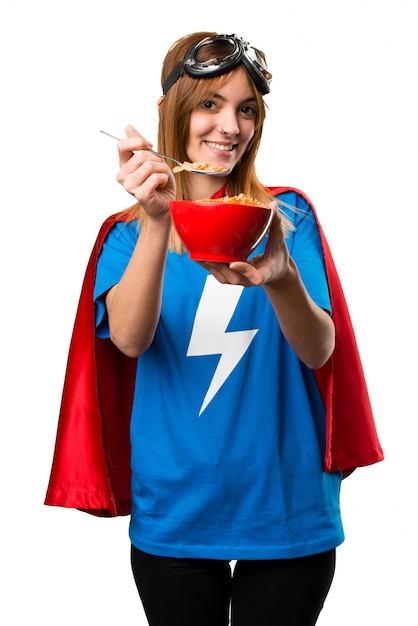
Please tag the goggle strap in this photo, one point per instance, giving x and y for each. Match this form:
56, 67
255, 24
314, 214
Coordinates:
173, 76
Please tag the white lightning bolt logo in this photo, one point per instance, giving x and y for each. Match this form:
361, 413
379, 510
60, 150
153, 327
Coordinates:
209, 336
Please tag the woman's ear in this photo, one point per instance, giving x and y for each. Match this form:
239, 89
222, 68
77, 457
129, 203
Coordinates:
160, 103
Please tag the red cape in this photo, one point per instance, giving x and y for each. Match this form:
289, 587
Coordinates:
91, 462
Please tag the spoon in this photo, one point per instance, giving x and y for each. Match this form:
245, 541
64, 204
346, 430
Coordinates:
223, 172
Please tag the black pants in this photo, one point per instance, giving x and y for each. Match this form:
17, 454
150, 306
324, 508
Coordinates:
199, 592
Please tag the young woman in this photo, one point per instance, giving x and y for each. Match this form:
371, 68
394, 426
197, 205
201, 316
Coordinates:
237, 403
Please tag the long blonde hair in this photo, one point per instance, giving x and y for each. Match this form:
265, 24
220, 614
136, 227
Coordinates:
181, 100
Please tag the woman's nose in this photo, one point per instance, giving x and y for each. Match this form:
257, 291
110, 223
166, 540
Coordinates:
228, 125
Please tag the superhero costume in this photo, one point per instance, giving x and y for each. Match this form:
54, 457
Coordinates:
91, 466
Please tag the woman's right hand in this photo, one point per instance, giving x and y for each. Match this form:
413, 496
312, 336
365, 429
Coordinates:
145, 175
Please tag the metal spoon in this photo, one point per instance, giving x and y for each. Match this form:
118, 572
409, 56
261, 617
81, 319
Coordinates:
164, 156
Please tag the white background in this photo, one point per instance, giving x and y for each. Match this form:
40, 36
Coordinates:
342, 126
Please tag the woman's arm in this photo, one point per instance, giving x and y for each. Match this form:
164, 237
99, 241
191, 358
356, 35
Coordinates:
308, 329
133, 305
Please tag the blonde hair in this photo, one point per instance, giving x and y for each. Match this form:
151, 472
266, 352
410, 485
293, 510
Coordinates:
181, 100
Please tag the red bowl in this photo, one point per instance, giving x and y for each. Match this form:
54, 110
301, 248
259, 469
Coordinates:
218, 231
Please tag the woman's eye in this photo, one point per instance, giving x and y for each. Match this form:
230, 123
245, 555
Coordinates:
209, 105
248, 111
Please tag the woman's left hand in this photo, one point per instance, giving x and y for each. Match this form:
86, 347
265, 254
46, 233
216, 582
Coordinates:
308, 329
261, 269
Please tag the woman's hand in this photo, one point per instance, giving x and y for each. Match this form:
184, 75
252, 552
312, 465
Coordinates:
259, 270
145, 175
308, 329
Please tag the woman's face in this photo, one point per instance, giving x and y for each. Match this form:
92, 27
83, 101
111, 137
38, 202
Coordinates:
222, 127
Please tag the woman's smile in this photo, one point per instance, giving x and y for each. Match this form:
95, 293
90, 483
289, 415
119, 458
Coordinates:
219, 146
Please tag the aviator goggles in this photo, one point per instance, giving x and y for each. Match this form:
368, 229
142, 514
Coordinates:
236, 51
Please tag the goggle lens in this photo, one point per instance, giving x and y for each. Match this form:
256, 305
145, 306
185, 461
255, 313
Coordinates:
226, 51
257, 59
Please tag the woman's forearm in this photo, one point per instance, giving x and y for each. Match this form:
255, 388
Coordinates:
134, 304
308, 329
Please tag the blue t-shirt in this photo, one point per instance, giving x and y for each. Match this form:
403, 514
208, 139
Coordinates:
228, 426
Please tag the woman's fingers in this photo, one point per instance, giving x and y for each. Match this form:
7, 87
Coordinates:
133, 143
